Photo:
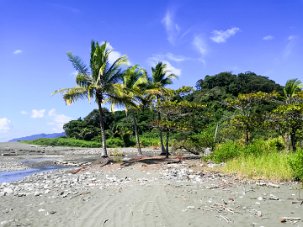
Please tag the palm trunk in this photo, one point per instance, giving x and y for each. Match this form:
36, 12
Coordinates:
167, 140
160, 130
137, 135
163, 152
103, 137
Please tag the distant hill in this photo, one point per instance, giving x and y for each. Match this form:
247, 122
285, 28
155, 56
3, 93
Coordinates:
39, 136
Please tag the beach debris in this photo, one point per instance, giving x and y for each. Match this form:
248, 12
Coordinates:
188, 208
224, 218
273, 197
285, 219
268, 184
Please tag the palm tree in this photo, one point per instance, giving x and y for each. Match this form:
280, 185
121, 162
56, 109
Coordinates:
292, 87
97, 83
130, 94
161, 77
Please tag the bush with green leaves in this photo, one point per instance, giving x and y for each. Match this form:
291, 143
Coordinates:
296, 165
114, 142
226, 151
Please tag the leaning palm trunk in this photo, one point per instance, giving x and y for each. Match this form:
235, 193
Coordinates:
137, 135
103, 137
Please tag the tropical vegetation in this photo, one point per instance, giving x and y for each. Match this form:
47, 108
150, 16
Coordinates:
241, 117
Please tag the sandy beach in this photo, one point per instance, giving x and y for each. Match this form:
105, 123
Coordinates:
147, 192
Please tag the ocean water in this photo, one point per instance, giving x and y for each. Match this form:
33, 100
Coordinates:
12, 176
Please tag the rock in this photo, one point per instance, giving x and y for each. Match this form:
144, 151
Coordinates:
8, 191
260, 198
37, 193
273, 197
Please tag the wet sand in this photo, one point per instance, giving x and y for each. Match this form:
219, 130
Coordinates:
142, 193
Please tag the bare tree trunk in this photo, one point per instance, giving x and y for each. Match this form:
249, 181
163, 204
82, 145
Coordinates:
293, 140
103, 137
246, 136
137, 135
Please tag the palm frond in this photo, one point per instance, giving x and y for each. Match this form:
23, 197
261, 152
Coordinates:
78, 64
83, 80
73, 94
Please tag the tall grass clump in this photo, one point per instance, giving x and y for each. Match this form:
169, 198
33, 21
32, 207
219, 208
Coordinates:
226, 151
296, 165
271, 166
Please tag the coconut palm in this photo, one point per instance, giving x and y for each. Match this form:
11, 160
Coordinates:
130, 94
98, 83
292, 87
161, 77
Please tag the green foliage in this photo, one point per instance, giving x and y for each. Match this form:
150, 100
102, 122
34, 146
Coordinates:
68, 142
226, 151
150, 140
232, 149
115, 142
272, 166
296, 165
195, 143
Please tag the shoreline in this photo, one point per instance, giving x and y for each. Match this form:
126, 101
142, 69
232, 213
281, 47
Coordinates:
146, 194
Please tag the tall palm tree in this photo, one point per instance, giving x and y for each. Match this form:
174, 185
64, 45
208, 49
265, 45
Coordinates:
161, 77
292, 87
97, 83
130, 94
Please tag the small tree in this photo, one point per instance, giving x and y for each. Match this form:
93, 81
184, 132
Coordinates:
289, 118
160, 78
249, 115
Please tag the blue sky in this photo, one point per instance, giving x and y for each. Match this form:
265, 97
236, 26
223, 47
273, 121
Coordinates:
193, 37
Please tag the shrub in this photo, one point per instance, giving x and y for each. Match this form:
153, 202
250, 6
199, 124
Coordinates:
114, 142
147, 141
296, 165
226, 151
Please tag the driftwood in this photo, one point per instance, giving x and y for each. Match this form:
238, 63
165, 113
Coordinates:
285, 219
268, 184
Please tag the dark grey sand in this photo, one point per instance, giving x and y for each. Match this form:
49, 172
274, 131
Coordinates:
140, 194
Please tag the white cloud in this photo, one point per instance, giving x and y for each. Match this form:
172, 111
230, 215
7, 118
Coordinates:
38, 113
200, 46
268, 37
4, 124
18, 51
175, 58
291, 37
23, 112
172, 69
114, 55
52, 112
172, 28
290, 46
57, 120
220, 36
